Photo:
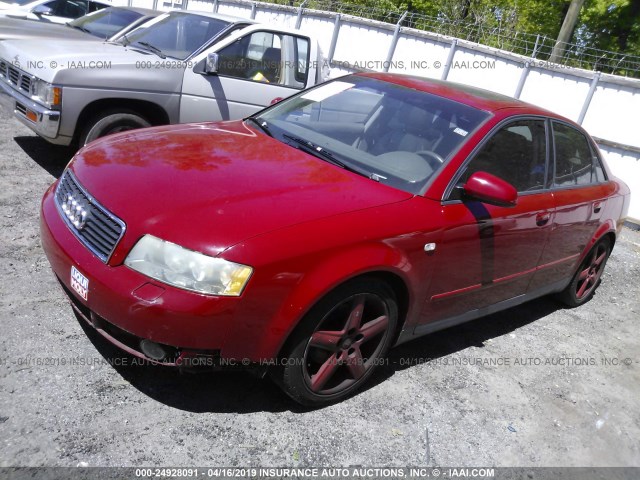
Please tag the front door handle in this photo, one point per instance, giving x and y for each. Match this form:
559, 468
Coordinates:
542, 219
597, 206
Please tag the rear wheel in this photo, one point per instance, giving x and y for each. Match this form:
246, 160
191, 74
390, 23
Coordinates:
587, 278
111, 122
340, 343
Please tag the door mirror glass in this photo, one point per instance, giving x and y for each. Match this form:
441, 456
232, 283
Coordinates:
211, 65
42, 10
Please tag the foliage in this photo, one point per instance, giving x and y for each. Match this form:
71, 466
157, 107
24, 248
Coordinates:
612, 25
606, 38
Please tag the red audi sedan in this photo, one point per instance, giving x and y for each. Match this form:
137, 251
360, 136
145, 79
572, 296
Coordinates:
314, 235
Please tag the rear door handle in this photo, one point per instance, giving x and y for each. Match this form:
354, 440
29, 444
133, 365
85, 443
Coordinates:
542, 219
597, 206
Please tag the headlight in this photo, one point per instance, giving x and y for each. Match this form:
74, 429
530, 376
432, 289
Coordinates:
48, 94
182, 268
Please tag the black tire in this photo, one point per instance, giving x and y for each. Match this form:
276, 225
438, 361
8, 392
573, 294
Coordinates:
111, 122
587, 277
339, 343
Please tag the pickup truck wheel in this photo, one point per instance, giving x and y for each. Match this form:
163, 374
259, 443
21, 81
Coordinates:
110, 123
339, 343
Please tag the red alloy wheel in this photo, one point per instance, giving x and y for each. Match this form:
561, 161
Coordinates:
587, 277
591, 271
339, 342
346, 344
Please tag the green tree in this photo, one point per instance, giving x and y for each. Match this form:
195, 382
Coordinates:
611, 25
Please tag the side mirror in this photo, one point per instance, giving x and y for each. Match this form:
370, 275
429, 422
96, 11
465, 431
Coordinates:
211, 63
490, 189
42, 10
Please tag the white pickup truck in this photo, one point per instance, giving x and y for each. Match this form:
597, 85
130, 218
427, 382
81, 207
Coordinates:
181, 67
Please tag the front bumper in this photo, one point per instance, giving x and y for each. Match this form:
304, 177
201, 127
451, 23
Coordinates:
45, 122
127, 307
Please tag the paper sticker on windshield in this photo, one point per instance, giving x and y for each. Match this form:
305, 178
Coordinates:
326, 91
460, 131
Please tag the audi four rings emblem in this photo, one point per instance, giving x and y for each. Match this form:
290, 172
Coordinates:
76, 211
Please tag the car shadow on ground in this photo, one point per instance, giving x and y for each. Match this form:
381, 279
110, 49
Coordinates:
471, 334
242, 392
52, 158
192, 390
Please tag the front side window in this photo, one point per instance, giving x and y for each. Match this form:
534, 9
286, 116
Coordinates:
516, 154
70, 8
576, 162
267, 57
392, 134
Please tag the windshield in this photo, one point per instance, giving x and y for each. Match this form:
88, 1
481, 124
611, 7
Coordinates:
107, 22
393, 134
177, 34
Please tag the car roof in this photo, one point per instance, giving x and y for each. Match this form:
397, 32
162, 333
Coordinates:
35, 3
219, 16
465, 94
142, 11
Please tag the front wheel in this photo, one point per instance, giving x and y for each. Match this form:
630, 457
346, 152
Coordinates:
339, 343
587, 278
109, 123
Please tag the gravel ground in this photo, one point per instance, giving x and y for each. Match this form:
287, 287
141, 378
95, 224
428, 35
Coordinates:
537, 385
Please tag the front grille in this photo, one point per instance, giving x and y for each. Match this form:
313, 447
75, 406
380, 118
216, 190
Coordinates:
25, 83
90, 222
16, 77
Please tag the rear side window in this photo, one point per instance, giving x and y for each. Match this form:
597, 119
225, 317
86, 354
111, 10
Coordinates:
576, 162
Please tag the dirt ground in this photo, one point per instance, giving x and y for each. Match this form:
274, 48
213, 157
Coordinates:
536, 385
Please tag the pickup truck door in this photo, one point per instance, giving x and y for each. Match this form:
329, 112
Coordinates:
257, 66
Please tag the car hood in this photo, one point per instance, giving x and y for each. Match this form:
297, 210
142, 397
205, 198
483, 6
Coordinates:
14, 29
209, 186
91, 64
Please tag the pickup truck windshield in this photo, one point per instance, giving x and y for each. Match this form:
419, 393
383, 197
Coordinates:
392, 134
177, 34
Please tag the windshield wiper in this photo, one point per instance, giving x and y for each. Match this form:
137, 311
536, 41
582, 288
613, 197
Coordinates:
261, 124
152, 48
321, 153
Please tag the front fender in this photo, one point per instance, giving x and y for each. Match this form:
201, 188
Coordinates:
281, 300
296, 266
328, 275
